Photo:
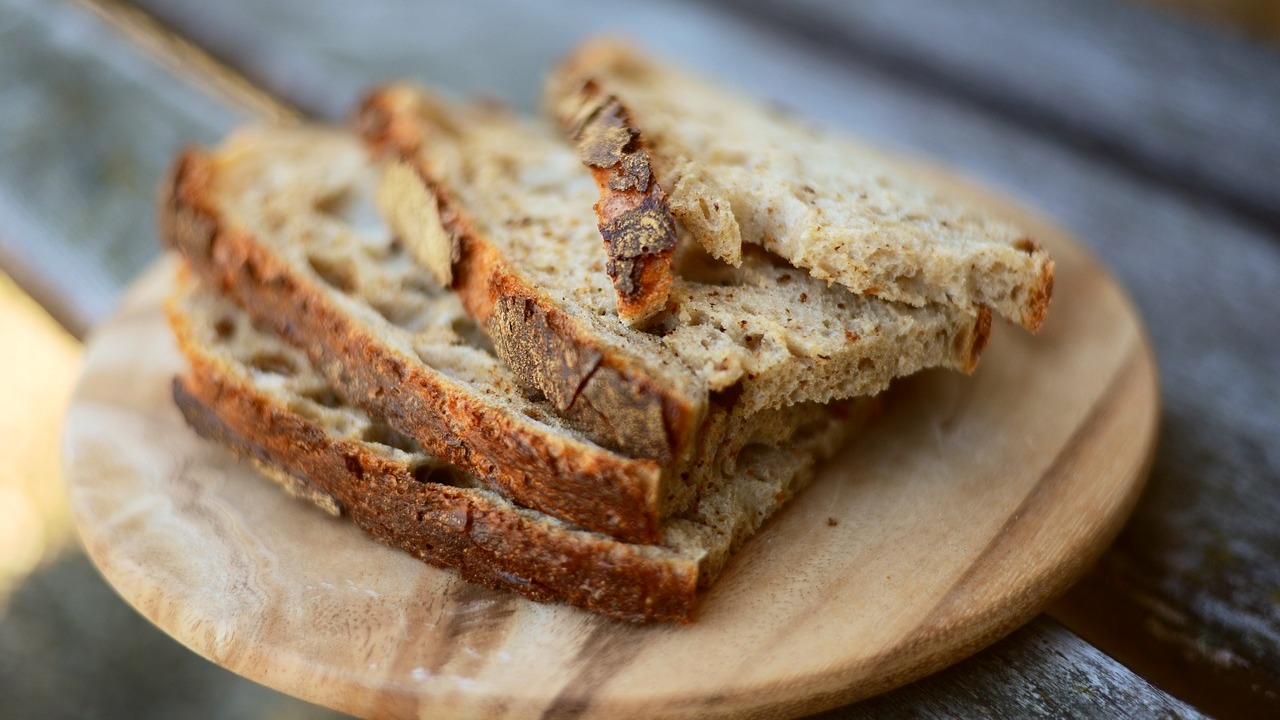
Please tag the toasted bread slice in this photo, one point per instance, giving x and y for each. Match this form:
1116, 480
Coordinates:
251, 391
738, 172
282, 221
508, 210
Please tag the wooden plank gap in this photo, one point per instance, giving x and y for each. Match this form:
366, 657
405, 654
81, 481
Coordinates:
191, 62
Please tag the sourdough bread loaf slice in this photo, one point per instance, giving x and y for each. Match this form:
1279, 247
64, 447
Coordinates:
507, 208
509, 235
251, 391
281, 220
738, 172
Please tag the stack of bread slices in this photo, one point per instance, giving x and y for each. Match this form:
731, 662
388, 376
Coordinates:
581, 358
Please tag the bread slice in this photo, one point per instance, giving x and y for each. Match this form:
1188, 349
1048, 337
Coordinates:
548, 307
508, 210
253, 392
738, 172
281, 220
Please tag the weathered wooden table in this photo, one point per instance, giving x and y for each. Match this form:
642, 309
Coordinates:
1157, 141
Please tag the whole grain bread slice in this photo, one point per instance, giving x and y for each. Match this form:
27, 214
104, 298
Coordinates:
550, 315
249, 390
502, 209
738, 172
282, 221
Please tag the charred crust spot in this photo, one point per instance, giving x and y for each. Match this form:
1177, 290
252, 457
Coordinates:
605, 136
528, 341
543, 353
633, 173
608, 141
644, 230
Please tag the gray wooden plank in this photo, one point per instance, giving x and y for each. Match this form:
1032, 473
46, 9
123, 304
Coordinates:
996, 684
1198, 272
1189, 103
71, 649
87, 124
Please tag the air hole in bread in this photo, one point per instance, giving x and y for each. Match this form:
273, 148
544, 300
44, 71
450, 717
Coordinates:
224, 328
337, 274
663, 324
429, 473
695, 264
273, 363
434, 472
910, 282
399, 314
382, 434
337, 204
420, 284
866, 365
704, 210
323, 396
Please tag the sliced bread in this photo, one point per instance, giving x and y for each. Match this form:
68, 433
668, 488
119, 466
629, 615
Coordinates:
281, 220
260, 396
508, 209
492, 232
738, 172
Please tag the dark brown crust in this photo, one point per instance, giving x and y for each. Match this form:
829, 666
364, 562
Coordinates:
544, 347
981, 333
1037, 305
635, 221
596, 489
444, 525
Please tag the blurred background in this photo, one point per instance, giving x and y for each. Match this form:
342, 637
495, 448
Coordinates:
69, 647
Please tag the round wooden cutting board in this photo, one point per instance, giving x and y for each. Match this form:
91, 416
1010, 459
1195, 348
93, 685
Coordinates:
955, 518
